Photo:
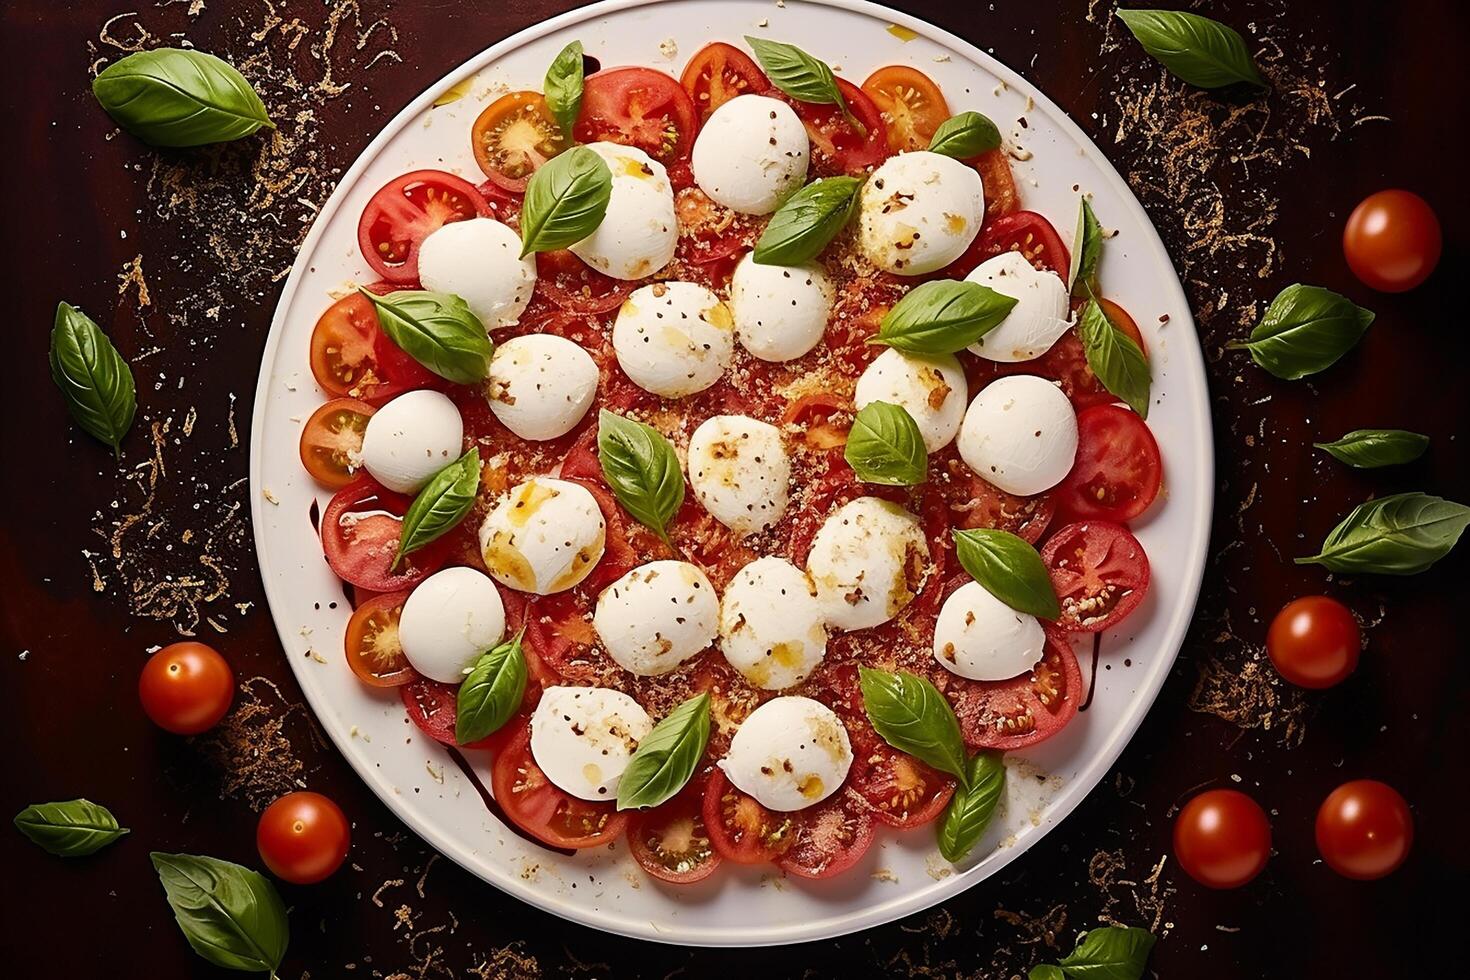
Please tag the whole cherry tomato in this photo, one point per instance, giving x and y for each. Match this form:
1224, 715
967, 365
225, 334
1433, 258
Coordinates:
1364, 829
303, 837
186, 688
1392, 240
1314, 642
1222, 838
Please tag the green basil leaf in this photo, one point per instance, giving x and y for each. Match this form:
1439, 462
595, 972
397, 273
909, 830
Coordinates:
1009, 568
563, 87
1086, 252
1046, 971
965, 135
1399, 535
1109, 953
808, 221
232, 916
943, 316
973, 805
1305, 330
438, 330
1371, 448
1115, 358
440, 505
913, 717
642, 468
491, 693
95, 381
1199, 50
885, 446
74, 828
566, 200
801, 76
179, 97
666, 758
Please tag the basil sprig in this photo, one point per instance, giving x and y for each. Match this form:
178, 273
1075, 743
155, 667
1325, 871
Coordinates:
943, 316
913, 717
232, 916
1305, 330
440, 505
74, 828
885, 446
1115, 358
801, 76
179, 97
1199, 50
1369, 449
971, 808
965, 135
1009, 568
808, 221
95, 381
563, 87
1086, 252
666, 758
436, 329
642, 468
1399, 535
491, 693
1104, 953
566, 200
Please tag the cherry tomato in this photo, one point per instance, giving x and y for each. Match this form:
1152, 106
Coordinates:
911, 104
1222, 838
1364, 829
1100, 574
837, 146
513, 137
303, 837
1118, 470
1314, 642
717, 73
830, 837
671, 841
1392, 240
541, 809
352, 357
331, 441
407, 210
360, 532
638, 107
740, 829
1024, 710
186, 688
1030, 234
374, 651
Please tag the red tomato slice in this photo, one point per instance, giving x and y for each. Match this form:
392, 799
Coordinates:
824, 419
331, 441
838, 147
433, 707
1030, 234
1024, 710
542, 810
559, 630
1100, 574
352, 357
407, 210
671, 841
901, 791
571, 285
1001, 196
717, 73
1118, 470
360, 532
740, 829
701, 539
513, 137
912, 106
374, 651
638, 107
976, 502
830, 838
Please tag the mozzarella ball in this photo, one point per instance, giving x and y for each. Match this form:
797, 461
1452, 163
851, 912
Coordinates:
751, 154
638, 234
979, 637
673, 338
541, 385
739, 470
451, 618
930, 387
657, 616
772, 627
868, 560
543, 536
583, 737
411, 438
1039, 317
780, 311
479, 261
790, 753
1020, 433
918, 212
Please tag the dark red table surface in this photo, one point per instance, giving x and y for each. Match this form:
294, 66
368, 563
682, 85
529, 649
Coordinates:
181, 256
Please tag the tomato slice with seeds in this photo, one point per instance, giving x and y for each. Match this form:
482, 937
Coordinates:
976, 502
407, 210
824, 419
559, 630
513, 137
900, 790
352, 357
911, 104
360, 531
1022, 711
638, 107
830, 838
671, 841
374, 651
740, 829
331, 441
1030, 234
717, 73
1118, 470
837, 147
434, 706
569, 284
1100, 574
542, 810
1001, 196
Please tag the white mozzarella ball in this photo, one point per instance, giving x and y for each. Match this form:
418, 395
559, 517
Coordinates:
1020, 433
638, 234
772, 626
918, 212
790, 753
930, 387
543, 536
868, 560
780, 311
451, 618
479, 261
411, 438
673, 338
1039, 317
751, 154
739, 470
541, 385
583, 737
979, 637
657, 616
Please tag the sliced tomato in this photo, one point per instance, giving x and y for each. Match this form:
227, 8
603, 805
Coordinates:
1024, 710
434, 706
976, 502
1001, 196
559, 630
671, 841
701, 539
709, 233
540, 808
837, 146
407, 210
1100, 574
911, 104
331, 441
830, 837
569, 284
360, 532
374, 651
1118, 470
638, 107
717, 73
824, 419
352, 357
742, 830
902, 791
1030, 234
513, 137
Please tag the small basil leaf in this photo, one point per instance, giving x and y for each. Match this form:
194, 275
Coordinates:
1109, 953
801, 76
491, 693
1399, 535
95, 381
943, 316
642, 468
1115, 358
179, 97
912, 716
966, 135
885, 446
440, 505
808, 221
1305, 330
1086, 252
74, 828
1009, 568
1371, 448
232, 916
1199, 50
566, 200
1046, 971
666, 758
436, 329
563, 87
970, 810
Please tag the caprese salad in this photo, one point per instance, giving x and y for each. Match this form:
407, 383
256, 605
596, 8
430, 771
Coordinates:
734, 461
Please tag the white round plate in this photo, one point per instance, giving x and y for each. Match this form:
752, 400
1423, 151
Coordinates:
737, 906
